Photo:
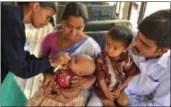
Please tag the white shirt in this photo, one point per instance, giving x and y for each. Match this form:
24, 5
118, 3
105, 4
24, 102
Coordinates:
152, 86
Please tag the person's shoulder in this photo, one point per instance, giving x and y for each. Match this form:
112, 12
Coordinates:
50, 36
101, 55
91, 40
11, 13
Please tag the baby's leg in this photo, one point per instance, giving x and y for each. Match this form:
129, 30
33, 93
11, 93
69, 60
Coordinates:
122, 99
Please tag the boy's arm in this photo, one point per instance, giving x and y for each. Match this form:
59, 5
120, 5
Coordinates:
101, 81
130, 70
125, 82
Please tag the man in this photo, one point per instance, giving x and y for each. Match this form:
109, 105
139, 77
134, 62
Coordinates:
151, 53
13, 18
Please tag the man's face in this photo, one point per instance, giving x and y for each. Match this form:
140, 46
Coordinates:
73, 27
143, 46
41, 16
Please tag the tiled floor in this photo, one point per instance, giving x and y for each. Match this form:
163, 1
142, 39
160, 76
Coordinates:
34, 37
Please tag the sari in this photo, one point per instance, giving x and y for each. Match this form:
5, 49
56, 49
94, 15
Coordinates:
87, 46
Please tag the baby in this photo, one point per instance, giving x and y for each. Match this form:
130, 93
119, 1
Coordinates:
115, 67
62, 94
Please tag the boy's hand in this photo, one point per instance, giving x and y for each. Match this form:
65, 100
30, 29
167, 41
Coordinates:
61, 59
116, 93
110, 95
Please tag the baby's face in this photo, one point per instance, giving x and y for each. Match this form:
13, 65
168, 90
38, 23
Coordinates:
77, 65
114, 48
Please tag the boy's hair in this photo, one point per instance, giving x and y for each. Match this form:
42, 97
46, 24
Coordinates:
42, 4
74, 9
157, 28
121, 33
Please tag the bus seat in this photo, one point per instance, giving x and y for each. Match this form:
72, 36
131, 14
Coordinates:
99, 37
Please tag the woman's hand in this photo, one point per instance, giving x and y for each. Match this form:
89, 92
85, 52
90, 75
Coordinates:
77, 80
62, 59
49, 79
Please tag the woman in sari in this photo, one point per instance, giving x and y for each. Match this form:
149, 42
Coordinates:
71, 39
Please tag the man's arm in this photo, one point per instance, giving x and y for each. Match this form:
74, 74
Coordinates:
161, 96
159, 91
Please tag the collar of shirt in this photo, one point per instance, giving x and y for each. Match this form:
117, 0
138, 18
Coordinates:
164, 59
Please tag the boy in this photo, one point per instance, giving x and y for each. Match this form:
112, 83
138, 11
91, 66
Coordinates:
115, 68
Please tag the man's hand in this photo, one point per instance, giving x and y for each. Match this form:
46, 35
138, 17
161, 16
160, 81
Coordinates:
61, 59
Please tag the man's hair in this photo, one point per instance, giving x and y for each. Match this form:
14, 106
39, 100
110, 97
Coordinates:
121, 33
157, 28
74, 9
42, 4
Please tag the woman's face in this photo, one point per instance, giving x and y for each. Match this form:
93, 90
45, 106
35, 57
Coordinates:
41, 15
73, 27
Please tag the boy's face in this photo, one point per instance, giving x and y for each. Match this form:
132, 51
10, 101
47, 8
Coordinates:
77, 66
41, 15
114, 48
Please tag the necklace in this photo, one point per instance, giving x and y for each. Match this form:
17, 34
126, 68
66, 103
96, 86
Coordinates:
64, 42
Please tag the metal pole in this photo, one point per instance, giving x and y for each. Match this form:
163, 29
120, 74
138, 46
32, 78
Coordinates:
142, 12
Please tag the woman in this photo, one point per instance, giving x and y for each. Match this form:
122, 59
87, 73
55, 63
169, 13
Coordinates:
71, 35
14, 58
71, 38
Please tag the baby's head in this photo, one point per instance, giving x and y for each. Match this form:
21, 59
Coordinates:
118, 40
82, 65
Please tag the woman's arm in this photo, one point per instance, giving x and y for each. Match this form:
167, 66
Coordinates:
88, 83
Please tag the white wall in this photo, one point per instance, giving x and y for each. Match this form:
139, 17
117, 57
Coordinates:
155, 6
